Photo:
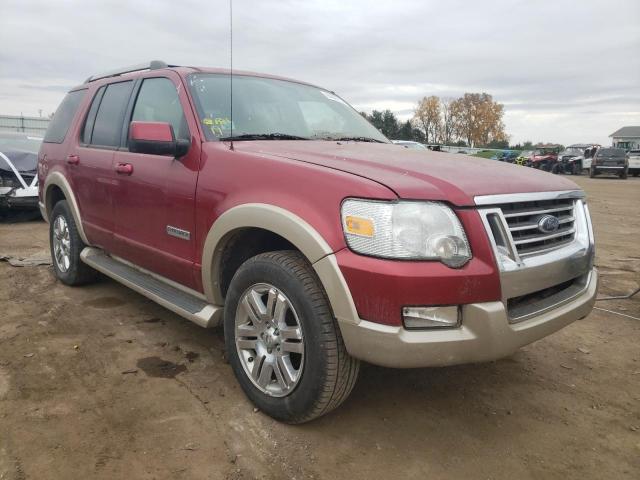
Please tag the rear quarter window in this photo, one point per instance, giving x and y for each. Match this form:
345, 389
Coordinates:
59, 125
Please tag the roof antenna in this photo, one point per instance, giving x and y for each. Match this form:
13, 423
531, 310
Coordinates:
231, 66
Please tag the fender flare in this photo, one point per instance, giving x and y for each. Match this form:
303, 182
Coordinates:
295, 230
58, 179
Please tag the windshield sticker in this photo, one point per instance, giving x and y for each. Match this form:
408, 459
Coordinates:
218, 125
333, 97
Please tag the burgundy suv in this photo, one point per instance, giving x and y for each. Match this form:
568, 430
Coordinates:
315, 241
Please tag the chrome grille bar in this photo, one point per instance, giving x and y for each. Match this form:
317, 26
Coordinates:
535, 211
546, 237
522, 219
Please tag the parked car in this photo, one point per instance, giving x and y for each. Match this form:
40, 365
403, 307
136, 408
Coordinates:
310, 237
576, 158
509, 156
18, 180
571, 159
545, 159
610, 160
634, 162
410, 144
523, 157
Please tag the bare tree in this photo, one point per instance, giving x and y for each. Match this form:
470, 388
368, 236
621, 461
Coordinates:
449, 124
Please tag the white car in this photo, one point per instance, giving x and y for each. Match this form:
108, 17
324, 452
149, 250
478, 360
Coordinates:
634, 162
410, 144
18, 176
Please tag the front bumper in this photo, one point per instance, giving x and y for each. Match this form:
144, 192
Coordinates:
18, 198
485, 334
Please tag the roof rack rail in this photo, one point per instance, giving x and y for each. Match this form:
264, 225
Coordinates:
153, 65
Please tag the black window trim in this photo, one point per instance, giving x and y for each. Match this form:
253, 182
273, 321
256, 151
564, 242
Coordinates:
103, 89
88, 117
124, 138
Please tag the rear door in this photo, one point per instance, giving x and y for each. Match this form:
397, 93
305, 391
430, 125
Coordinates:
155, 205
91, 161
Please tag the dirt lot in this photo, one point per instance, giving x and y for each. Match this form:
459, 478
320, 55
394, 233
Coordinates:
98, 382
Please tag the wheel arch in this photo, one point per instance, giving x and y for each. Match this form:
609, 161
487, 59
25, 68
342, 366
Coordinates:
295, 231
55, 185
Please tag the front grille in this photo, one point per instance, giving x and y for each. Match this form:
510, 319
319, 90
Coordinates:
523, 222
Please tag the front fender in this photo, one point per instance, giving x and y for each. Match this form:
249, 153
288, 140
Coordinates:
295, 230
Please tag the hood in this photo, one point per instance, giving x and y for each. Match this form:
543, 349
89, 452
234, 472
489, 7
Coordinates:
414, 174
24, 162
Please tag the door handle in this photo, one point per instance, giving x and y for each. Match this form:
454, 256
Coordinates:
124, 169
73, 159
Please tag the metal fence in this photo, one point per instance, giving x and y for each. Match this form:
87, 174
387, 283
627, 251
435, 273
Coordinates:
31, 125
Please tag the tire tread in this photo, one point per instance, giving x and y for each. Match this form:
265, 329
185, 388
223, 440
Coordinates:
342, 369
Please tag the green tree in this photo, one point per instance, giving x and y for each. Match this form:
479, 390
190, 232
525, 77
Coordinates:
376, 119
390, 125
406, 131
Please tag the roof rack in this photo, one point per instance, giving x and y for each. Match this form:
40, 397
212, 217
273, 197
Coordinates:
153, 65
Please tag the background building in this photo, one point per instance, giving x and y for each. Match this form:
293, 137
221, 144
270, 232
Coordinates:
627, 138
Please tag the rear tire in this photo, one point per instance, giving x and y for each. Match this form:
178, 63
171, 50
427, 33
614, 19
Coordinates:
324, 373
66, 245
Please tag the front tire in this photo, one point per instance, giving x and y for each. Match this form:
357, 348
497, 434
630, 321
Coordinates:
624, 174
66, 245
576, 168
283, 344
592, 172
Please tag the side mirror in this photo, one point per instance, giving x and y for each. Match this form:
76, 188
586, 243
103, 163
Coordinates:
156, 138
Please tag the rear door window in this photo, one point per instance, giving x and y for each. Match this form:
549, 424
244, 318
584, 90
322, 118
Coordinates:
59, 125
158, 101
107, 127
91, 117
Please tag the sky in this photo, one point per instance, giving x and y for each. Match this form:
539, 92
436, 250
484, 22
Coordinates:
566, 71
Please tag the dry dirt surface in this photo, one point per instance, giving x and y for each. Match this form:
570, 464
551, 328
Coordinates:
98, 382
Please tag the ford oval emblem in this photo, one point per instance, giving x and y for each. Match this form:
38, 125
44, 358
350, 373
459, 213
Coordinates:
548, 224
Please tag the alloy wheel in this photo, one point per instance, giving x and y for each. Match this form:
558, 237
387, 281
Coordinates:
61, 243
269, 340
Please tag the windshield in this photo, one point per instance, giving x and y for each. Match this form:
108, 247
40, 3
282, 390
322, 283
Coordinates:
575, 150
277, 109
20, 144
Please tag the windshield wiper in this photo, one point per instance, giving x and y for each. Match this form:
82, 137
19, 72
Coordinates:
264, 136
354, 139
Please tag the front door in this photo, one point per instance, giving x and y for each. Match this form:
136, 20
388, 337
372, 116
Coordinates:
154, 198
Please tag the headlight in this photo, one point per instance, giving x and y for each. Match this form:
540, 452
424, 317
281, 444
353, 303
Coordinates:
405, 230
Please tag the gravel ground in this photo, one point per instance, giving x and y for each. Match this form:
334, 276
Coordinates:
98, 382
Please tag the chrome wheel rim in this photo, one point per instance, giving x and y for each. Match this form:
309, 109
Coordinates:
61, 243
269, 340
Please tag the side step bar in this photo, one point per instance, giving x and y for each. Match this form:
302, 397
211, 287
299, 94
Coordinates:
185, 304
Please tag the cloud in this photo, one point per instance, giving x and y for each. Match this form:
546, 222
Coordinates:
566, 72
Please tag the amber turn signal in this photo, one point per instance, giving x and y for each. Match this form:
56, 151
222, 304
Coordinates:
359, 226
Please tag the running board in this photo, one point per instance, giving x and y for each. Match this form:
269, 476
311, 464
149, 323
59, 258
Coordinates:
185, 304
